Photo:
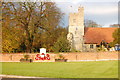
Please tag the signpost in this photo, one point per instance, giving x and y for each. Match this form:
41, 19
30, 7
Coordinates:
43, 55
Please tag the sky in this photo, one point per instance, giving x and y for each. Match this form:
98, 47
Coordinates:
102, 12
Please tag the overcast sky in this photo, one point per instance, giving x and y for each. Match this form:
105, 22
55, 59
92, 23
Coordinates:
104, 12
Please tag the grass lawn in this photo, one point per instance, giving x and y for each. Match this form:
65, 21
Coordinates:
93, 69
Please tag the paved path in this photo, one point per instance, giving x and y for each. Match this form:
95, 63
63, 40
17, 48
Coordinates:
14, 76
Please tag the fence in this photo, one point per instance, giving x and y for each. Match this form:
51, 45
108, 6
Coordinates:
88, 56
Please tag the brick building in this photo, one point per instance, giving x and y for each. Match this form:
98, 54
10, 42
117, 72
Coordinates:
86, 38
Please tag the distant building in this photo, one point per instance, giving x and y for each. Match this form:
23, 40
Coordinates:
86, 38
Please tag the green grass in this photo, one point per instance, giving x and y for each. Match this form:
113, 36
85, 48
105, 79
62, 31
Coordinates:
93, 69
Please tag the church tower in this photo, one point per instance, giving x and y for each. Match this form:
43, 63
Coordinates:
76, 29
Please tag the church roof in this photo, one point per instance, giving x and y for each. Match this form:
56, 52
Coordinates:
96, 35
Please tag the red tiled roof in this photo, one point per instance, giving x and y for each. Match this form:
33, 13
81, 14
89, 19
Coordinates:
96, 35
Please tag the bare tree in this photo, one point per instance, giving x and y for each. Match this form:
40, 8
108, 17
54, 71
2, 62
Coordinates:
90, 23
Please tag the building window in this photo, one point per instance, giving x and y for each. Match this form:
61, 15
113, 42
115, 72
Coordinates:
91, 46
97, 45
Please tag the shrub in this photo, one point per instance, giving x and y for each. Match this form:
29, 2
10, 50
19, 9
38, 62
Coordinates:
61, 45
22, 59
61, 56
26, 56
26, 60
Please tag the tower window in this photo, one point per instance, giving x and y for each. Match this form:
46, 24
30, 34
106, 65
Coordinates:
76, 28
91, 46
74, 20
75, 32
